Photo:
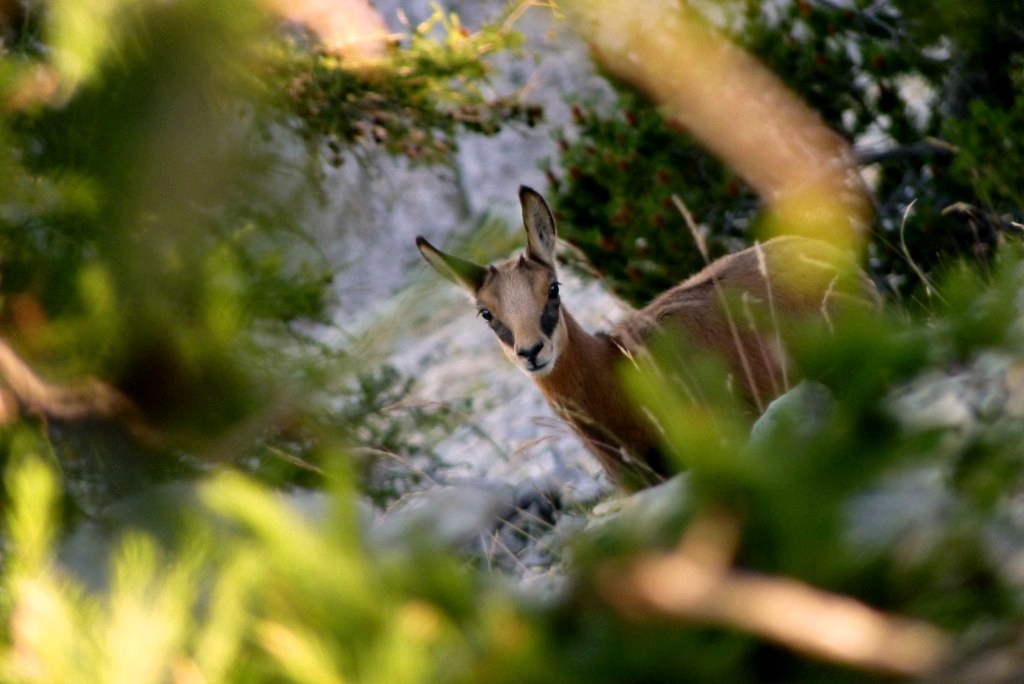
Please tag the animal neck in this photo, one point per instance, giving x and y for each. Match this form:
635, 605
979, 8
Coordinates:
584, 388
584, 371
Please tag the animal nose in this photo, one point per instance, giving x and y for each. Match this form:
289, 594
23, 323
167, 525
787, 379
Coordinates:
530, 353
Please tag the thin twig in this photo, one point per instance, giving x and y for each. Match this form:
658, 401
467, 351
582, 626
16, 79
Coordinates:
386, 454
824, 303
929, 147
294, 460
698, 237
497, 543
929, 288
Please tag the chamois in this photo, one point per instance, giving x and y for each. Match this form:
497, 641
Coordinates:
578, 372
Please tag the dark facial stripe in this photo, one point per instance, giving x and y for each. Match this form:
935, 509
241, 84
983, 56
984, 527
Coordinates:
503, 333
549, 318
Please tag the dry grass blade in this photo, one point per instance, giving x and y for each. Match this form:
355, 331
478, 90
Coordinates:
295, 460
824, 304
698, 237
762, 268
929, 288
491, 549
385, 454
766, 356
741, 351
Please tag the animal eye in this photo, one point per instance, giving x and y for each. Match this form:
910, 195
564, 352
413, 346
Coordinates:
486, 315
553, 290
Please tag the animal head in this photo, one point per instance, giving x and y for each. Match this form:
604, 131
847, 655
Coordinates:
518, 298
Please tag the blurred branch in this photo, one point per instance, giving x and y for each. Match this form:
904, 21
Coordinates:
694, 583
736, 107
38, 85
351, 28
24, 391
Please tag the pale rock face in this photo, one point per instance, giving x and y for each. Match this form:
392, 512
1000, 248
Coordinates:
510, 437
374, 211
512, 452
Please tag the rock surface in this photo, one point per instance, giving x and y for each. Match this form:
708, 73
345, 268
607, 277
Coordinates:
375, 209
515, 481
511, 439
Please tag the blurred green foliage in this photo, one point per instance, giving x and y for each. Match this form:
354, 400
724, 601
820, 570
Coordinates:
614, 200
143, 239
397, 435
147, 238
926, 93
150, 204
246, 589
431, 87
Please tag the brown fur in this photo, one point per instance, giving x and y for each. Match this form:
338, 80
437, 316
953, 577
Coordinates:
578, 373
585, 390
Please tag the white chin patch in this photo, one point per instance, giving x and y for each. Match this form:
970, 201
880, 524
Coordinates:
538, 371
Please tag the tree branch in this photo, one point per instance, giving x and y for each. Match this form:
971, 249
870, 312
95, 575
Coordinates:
694, 583
24, 391
929, 147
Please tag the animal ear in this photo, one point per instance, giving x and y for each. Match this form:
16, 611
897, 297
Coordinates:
540, 227
465, 274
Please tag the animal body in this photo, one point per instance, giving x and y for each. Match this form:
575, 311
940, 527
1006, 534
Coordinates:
579, 372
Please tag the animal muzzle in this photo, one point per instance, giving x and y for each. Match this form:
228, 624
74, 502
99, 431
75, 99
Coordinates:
533, 357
